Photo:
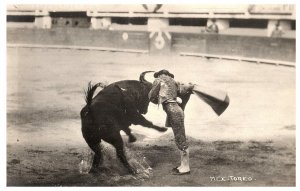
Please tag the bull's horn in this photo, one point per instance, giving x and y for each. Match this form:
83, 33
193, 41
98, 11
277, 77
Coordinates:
142, 76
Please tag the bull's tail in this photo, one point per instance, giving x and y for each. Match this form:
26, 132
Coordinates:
89, 93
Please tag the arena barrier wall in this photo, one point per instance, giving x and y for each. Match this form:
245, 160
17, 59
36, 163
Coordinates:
69, 37
281, 49
234, 45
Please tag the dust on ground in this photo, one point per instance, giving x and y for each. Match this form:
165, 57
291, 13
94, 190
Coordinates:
255, 137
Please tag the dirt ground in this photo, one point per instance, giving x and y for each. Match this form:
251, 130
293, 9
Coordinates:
251, 144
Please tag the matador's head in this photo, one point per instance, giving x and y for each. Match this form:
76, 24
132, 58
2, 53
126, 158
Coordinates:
166, 72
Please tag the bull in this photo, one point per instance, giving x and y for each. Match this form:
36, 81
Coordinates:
122, 104
115, 108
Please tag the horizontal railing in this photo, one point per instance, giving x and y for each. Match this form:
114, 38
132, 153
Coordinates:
240, 58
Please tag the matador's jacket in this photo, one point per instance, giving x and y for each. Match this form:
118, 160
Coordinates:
164, 91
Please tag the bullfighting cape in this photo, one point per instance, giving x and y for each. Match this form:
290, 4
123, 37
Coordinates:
216, 99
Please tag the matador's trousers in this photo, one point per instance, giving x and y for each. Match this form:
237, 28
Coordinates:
175, 118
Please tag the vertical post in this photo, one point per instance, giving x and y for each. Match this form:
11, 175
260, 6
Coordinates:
283, 25
160, 38
100, 23
42, 20
221, 23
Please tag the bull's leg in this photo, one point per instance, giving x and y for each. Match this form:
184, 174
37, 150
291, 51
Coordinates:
131, 138
161, 129
98, 159
121, 155
138, 119
117, 142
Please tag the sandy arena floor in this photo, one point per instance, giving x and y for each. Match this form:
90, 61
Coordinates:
254, 138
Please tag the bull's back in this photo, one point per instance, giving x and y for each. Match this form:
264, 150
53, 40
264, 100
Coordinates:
128, 85
112, 94
132, 91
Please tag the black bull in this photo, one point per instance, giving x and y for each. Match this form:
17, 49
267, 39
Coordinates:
115, 108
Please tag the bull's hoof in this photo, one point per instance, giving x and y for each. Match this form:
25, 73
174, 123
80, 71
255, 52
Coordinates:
100, 170
93, 171
132, 139
162, 129
132, 171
